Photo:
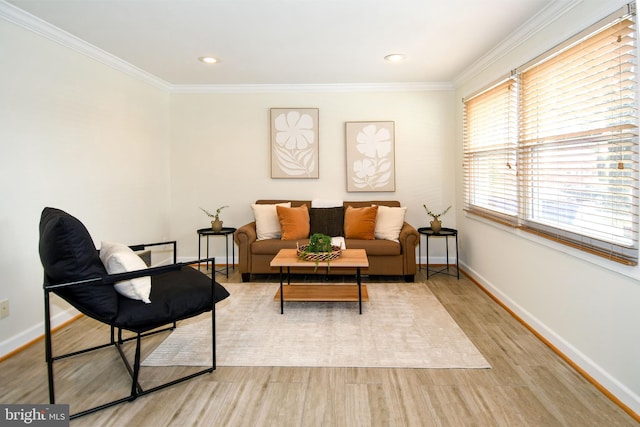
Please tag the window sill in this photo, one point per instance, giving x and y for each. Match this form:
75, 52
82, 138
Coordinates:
628, 271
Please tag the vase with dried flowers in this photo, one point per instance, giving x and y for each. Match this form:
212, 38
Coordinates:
436, 224
216, 224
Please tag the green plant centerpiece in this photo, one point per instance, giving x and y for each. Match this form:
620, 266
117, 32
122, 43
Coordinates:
319, 249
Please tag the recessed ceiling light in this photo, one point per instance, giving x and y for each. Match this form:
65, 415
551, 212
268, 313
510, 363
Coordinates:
208, 59
395, 57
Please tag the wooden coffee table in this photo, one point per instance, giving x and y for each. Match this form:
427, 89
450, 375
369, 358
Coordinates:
351, 258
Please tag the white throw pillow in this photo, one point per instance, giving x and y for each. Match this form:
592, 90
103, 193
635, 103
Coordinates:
267, 223
119, 258
389, 222
322, 203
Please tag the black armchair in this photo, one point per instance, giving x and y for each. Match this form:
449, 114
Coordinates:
73, 270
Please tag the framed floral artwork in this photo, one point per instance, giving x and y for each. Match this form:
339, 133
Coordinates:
294, 143
370, 156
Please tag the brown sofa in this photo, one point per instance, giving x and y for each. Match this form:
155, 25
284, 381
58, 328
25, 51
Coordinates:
386, 257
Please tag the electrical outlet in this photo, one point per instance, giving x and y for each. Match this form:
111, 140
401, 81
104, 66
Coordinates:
4, 308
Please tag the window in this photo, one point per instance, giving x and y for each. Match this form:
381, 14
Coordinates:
553, 149
490, 153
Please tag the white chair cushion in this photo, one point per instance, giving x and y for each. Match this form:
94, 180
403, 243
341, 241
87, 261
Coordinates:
119, 258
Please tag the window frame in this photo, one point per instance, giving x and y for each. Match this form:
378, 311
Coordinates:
625, 250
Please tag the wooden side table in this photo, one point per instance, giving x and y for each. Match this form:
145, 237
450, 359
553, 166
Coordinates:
446, 233
226, 232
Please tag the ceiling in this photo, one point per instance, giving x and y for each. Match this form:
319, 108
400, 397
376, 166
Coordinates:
291, 41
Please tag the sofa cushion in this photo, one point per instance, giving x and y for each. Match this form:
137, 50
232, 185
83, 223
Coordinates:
272, 246
68, 254
329, 221
389, 222
375, 247
267, 224
177, 294
360, 223
66, 249
294, 222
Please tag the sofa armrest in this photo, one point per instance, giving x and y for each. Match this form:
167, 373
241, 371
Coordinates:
246, 234
409, 239
244, 237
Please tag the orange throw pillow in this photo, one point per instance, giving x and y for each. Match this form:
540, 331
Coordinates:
294, 222
360, 223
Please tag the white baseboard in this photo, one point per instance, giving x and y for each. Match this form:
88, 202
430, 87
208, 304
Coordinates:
35, 332
438, 260
219, 260
600, 375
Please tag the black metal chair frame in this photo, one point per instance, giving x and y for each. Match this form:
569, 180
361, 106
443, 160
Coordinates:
134, 371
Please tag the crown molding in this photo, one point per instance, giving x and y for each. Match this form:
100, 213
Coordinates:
539, 21
32, 23
313, 88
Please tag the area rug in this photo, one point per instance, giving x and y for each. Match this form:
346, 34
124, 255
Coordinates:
403, 325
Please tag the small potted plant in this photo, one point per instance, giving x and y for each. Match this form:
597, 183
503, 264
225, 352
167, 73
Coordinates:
436, 224
216, 224
319, 249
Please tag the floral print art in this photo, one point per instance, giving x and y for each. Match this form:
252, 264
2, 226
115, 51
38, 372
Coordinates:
294, 143
370, 165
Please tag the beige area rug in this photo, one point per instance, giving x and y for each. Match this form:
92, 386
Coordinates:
403, 325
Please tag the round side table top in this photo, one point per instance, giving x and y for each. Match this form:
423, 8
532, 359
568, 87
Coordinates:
443, 231
209, 232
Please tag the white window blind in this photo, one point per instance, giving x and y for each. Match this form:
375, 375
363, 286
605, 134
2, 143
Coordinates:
490, 145
577, 145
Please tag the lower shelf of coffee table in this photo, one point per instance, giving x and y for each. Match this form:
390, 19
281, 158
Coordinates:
323, 293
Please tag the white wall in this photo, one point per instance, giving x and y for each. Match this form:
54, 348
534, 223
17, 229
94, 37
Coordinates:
220, 155
80, 136
586, 306
135, 162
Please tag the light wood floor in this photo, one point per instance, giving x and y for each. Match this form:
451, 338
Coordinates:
528, 384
